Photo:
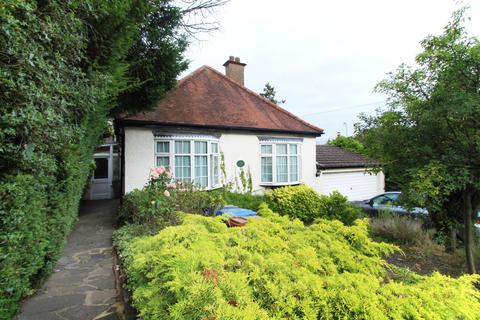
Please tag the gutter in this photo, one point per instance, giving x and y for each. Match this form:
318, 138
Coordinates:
154, 125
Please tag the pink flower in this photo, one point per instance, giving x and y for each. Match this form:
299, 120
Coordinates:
153, 173
168, 173
171, 185
166, 193
160, 170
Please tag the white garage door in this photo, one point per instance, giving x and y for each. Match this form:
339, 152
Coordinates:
354, 185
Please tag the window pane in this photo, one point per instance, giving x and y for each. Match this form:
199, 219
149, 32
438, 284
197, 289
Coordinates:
293, 149
182, 168
214, 147
182, 147
215, 170
282, 170
267, 169
101, 168
201, 170
281, 149
266, 149
200, 147
163, 147
163, 162
293, 169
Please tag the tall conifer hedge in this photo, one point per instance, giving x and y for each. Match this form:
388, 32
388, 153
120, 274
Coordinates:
64, 67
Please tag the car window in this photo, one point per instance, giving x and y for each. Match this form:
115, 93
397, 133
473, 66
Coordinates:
393, 196
385, 199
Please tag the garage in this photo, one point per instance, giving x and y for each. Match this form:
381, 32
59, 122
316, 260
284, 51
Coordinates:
348, 173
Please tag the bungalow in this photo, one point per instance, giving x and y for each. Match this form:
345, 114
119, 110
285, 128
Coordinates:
212, 130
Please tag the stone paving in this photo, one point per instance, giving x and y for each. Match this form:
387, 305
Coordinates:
83, 284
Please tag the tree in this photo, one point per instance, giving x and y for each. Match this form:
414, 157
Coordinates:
270, 93
428, 138
347, 143
64, 67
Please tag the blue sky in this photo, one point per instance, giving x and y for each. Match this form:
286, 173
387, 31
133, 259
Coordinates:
324, 57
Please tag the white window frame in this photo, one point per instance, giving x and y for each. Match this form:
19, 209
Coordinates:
210, 156
273, 156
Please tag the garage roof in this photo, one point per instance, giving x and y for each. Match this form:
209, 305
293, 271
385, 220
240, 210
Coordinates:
333, 157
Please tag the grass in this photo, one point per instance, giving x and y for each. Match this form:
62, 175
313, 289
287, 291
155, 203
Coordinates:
421, 253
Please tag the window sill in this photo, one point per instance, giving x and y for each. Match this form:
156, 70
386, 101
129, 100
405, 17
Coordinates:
279, 184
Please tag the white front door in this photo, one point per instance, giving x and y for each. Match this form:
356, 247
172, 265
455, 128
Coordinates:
101, 186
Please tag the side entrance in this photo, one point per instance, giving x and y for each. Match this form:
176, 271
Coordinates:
105, 180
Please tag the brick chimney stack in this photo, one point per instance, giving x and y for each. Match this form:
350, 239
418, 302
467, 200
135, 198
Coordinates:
234, 69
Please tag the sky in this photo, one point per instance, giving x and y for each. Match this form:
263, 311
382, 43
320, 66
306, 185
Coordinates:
324, 57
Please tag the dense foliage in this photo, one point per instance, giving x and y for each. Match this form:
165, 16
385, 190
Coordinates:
243, 200
297, 202
153, 207
193, 199
337, 207
428, 137
276, 268
304, 203
64, 65
347, 143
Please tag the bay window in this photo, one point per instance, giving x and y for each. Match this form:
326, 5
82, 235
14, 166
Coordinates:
279, 163
190, 160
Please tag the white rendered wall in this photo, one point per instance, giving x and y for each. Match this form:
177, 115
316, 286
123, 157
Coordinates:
139, 157
246, 147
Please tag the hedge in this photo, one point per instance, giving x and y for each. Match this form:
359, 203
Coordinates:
304, 203
64, 66
276, 268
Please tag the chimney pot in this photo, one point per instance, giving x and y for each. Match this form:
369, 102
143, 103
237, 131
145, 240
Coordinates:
234, 69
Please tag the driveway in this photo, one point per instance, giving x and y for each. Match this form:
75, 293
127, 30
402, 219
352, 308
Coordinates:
83, 284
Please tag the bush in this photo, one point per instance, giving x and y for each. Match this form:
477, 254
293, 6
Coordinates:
400, 229
192, 199
154, 205
244, 200
300, 202
336, 206
276, 268
264, 211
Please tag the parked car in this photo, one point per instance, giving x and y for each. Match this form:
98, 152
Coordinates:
389, 201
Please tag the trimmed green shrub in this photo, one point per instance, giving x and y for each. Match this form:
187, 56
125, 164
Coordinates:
276, 268
244, 200
300, 202
336, 206
264, 211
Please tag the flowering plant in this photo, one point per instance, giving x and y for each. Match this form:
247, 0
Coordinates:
160, 179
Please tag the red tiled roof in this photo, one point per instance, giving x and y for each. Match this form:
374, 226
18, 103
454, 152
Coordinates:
207, 98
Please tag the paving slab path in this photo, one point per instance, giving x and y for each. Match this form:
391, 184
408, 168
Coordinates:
83, 284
